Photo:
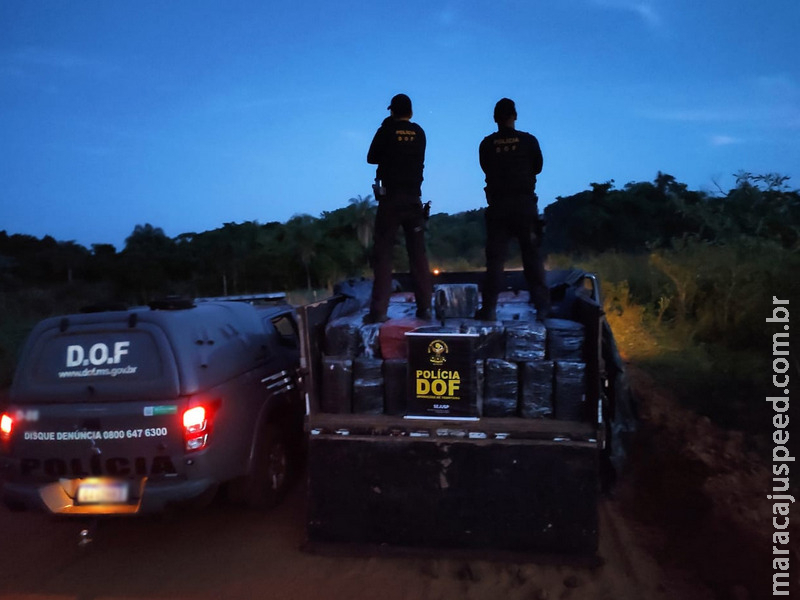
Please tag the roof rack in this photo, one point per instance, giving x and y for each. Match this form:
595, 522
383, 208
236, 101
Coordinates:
271, 298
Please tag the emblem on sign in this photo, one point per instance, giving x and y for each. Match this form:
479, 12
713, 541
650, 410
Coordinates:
436, 352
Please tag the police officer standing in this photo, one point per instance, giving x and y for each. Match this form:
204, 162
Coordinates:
398, 149
511, 160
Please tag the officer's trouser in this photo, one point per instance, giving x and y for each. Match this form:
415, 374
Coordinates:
397, 210
509, 218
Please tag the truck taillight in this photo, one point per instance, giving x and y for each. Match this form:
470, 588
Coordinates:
6, 426
197, 426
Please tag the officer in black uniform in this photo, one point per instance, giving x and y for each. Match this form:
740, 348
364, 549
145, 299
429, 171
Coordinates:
398, 149
511, 160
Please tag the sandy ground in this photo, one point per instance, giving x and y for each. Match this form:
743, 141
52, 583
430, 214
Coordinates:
225, 553
685, 522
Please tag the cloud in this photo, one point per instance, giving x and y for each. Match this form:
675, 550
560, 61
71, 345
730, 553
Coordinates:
45, 66
724, 140
778, 85
644, 9
764, 101
454, 26
33, 56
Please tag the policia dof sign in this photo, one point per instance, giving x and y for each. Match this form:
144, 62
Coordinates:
442, 374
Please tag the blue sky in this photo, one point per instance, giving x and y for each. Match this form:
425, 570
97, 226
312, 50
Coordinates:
190, 113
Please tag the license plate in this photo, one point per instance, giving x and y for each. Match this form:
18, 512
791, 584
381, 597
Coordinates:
102, 493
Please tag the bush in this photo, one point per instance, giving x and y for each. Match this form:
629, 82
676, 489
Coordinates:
694, 316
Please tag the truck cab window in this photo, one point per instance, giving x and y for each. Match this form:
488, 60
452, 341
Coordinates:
287, 331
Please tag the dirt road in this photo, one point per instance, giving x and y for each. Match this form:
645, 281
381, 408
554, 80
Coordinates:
226, 553
670, 532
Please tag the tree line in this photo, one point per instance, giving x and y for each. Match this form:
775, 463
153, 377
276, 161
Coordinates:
315, 252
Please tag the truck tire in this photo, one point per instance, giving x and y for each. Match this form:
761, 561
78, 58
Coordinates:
608, 472
266, 484
620, 423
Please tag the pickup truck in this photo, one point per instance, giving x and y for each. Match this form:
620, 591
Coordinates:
458, 433
140, 410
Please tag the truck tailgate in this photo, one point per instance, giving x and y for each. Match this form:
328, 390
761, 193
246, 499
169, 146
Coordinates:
398, 482
95, 453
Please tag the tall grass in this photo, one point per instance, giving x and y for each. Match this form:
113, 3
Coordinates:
694, 317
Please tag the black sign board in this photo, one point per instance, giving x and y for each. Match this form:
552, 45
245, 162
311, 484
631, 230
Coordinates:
443, 378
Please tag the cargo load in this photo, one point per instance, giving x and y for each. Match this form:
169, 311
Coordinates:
462, 433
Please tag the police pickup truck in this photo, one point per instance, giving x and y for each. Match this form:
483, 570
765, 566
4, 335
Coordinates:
136, 411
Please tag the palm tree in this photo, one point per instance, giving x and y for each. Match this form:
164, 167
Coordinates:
363, 210
302, 234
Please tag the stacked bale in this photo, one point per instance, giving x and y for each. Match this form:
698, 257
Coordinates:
501, 388
570, 390
525, 341
526, 367
368, 385
455, 300
536, 396
356, 376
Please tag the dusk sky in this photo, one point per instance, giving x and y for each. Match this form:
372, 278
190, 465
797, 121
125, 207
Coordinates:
188, 114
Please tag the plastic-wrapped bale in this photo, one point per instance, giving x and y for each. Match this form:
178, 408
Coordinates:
395, 386
392, 336
369, 343
453, 300
337, 384
342, 335
569, 394
349, 336
491, 336
500, 388
513, 312
536, 397
368, 385
356, 292
517, 296
401, 310
525, 341
564, 340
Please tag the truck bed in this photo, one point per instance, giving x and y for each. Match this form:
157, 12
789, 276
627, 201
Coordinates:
516, 484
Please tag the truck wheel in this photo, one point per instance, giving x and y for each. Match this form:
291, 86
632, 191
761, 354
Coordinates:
268, 480
608, 474
620, 424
